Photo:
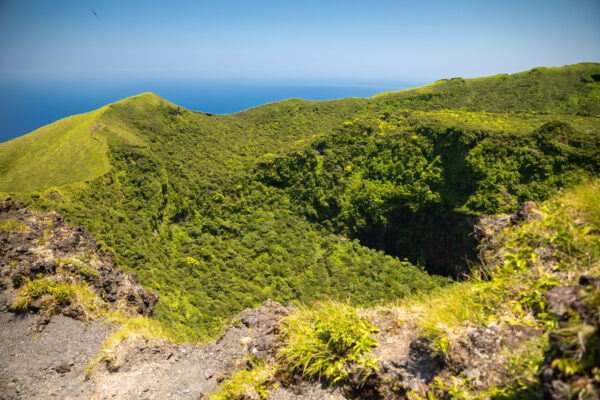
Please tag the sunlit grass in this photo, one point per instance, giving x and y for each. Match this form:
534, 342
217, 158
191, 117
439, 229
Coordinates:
128, 327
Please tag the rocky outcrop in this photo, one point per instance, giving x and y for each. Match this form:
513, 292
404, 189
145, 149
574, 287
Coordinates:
487, 231
51, 364
409, 362
44, 245
190, 371
487, 227
263, 322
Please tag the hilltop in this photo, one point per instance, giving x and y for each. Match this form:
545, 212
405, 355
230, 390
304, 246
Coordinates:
298, 201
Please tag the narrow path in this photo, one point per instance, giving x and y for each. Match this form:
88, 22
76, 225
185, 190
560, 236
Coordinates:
94, 128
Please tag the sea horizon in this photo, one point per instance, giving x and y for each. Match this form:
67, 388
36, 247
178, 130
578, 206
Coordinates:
27, 106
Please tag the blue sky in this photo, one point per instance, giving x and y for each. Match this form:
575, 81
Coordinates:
312, 41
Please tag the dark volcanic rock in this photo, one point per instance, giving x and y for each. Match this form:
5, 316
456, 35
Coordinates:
577, 342
528, 210
187, 371
63, 368
563, 299
487, 227
38, 244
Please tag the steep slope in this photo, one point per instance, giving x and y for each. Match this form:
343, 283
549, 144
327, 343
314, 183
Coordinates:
55, 155
72, 150
219, 213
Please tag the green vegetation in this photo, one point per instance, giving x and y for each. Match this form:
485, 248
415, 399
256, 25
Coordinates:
325, 342
54, 155
407, 189
77, 267
304, 201
12, 225
570, 89
331, 339
49, 296
514, 294
247, 384
534, 257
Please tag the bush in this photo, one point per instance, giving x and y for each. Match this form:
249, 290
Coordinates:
51, 296
327, 342
247, 384
61, 293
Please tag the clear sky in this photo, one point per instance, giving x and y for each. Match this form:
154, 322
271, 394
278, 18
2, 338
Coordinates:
308, 40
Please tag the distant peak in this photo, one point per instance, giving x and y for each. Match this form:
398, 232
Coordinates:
145, 96
146, 99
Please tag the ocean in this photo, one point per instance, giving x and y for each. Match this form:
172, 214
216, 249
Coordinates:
26, 106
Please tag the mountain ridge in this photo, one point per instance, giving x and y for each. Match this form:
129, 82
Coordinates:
13, 156
300, 201
387, 226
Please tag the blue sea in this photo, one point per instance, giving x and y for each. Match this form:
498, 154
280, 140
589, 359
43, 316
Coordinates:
26, 106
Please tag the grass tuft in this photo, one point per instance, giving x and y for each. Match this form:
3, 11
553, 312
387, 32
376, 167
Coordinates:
51, 296
328, 341
12, 225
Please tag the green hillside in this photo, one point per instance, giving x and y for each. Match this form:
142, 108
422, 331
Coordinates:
302, 200
569, 89
54, 155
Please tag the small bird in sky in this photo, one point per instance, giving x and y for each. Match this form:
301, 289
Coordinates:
94, 12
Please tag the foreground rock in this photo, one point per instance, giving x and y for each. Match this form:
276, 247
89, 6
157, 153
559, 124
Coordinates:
52, 364
571, 364
157, 369
34, 245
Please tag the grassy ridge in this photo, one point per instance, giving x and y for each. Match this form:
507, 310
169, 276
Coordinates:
219, 212
64, 152
55, 155
67, 153
569, 89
